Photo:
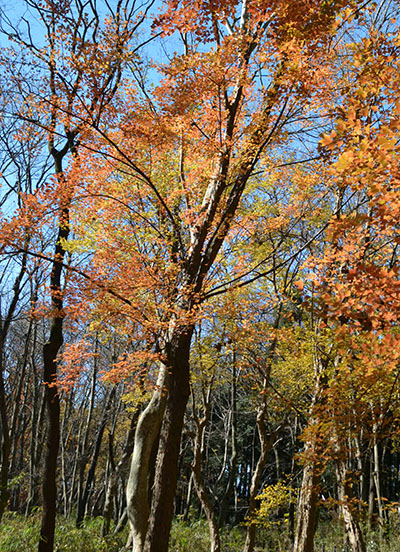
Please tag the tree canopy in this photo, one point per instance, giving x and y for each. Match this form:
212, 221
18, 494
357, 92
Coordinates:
199, 265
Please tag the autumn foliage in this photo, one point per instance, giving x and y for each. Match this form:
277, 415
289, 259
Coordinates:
209, 216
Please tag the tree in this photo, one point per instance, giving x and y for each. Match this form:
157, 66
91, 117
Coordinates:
356, 272
212, 111
167, 196
79, 86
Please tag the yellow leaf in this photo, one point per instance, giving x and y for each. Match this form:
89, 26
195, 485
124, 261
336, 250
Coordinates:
344, 160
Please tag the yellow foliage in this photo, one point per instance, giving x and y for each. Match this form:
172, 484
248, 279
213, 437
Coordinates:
273, 498
136, 397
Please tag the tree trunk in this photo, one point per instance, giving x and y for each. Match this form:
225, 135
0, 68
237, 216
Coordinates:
202, 494
234, 455
50, 353
266, 446
188, 498
308, 500
5, 441
137, 492
82, 456
36, 445
5, 429
207, 507
162, 507
120, 467
377, 481
96, 451
345, 493
49, 485
307, 509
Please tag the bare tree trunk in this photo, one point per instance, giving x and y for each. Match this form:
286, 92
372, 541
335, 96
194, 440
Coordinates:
361, 467
307, 509
49, 487
65, 437
345, 493
5, 441
36, 445
96, 451
5, 429
120, 467
76, 481
206, 503
266, 446
188, 498
233, 456
308, 499
159, 527
377, 480
82, 445
198, 449
38, 410
371, 494
50, 353
137, 492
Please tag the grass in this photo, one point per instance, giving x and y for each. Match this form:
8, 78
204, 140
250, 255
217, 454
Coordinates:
20, 534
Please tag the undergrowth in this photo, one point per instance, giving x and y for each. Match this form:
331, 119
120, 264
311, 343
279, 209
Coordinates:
21, 534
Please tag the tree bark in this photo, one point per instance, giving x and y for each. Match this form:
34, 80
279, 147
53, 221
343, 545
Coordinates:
376, 477
5, 429
345, 493
266, 446
50, 353
307, 509
49, 485
5, 441
96, 451
120, 467
162, 509
82, 456
223, 512
198, 449
137, 492
308, 500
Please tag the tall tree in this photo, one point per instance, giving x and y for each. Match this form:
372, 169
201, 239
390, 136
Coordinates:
80, 61
247, 72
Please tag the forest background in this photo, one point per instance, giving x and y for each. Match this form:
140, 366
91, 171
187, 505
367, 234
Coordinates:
199, 275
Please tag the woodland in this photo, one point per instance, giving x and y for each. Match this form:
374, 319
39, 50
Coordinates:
199, 275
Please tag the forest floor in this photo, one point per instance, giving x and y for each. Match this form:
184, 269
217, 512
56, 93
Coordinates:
20, 534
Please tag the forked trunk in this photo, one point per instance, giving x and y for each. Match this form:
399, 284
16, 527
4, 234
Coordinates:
162, 507
137, 492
